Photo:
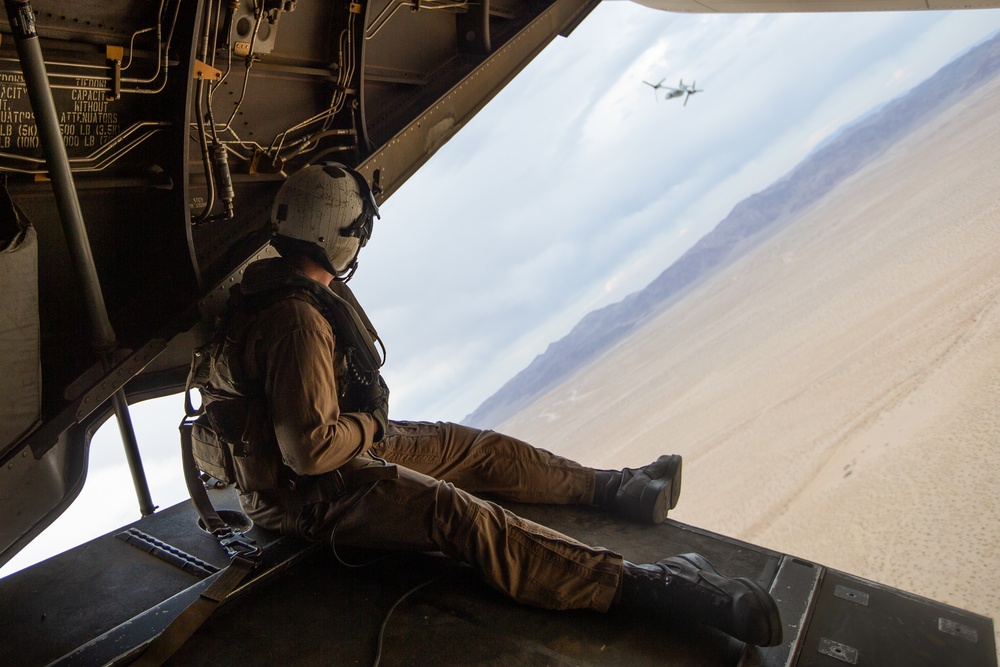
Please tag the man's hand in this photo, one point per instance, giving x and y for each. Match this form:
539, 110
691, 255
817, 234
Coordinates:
379, 406
372, 398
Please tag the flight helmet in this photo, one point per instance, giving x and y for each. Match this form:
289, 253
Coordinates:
326, 211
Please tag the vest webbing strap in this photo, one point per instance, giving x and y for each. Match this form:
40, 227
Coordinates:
196, 489
192, 616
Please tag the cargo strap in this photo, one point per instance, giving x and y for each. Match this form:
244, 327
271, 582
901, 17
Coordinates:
192, 616
240, 548
235, 543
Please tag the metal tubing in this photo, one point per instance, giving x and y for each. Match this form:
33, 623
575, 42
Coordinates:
146, 506
29, 51
102, 334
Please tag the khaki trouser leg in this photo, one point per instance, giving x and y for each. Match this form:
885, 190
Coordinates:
487, 462
529, 562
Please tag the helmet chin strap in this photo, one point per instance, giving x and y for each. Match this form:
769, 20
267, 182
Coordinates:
350, 272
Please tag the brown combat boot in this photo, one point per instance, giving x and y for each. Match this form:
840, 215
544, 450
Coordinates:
688, 587
643, 494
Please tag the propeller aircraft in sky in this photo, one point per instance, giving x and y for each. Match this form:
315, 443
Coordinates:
682, 89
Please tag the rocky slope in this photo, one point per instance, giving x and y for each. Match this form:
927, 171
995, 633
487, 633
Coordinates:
750, 221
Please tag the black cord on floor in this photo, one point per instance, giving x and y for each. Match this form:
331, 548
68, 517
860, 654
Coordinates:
385, 623
333, 535
333, 549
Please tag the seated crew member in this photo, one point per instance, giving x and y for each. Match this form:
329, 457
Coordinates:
293, 381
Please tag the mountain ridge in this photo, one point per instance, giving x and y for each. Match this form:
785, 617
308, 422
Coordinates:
750, 221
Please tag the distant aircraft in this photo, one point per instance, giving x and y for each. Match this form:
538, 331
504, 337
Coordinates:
671, 92
681, 89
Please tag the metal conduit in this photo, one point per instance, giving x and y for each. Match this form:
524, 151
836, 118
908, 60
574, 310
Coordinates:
102, 335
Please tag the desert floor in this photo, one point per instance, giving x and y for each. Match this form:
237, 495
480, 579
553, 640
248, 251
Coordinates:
836, 393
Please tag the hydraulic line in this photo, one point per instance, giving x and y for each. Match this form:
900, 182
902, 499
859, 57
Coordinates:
220, 157
162, 64
99, 159
206, 157
102, 334
346, 66
381, 20
215, 34
215, 158
258, 17
206, 154
131, 44
231, 8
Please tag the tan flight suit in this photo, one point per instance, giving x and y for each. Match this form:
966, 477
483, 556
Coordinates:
430, 507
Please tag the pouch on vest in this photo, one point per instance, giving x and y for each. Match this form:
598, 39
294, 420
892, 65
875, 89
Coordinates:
231, 439
256, 456
211, 453
240, 461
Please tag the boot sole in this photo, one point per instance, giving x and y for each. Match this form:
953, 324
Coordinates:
657, 496
774, 625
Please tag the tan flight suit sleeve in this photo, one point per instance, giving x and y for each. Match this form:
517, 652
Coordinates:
300, 385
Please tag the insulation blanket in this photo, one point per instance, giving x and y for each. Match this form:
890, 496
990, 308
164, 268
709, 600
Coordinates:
20, 369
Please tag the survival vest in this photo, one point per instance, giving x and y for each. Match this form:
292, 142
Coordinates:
232, 437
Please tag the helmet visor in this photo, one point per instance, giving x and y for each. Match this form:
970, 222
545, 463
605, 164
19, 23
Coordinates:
342, 251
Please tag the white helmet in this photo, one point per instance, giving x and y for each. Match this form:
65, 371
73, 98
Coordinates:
329, 207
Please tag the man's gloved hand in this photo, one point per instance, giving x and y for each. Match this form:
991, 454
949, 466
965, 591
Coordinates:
379, 406
372, 398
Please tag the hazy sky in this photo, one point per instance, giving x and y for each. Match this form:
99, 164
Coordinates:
572, 188
575, 186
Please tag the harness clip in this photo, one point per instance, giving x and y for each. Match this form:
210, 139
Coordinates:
237, 544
